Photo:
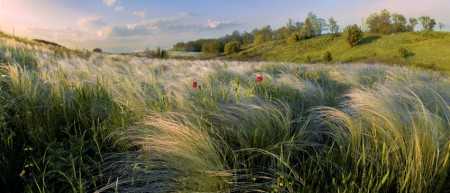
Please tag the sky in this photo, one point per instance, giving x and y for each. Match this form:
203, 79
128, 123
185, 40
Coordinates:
133, 25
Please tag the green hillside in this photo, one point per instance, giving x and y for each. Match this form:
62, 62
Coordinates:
426, 49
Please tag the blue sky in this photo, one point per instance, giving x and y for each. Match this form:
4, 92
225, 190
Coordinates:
129, 25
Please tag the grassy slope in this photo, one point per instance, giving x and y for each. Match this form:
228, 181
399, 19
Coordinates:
431, 50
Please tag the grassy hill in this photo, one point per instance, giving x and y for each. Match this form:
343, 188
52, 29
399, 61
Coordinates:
429, 50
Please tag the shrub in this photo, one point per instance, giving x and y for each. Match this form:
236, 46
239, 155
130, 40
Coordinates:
308, 59
293, 38
160, 53
97, 50
353, 35
232, 47
405, 53
327, 57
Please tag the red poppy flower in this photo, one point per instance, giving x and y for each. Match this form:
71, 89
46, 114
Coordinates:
259, 78
194, 84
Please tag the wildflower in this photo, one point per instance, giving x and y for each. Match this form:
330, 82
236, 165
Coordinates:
259, 78
194, 84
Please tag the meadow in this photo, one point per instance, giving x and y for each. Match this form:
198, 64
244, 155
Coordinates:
423, 49
89, 122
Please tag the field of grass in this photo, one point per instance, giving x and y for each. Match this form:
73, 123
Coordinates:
427, 50
110, 123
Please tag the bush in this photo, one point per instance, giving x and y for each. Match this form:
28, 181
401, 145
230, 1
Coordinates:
405, 53
353, 35
293, 38
232, 47
327, 57
308, 59
97, 50
160, 53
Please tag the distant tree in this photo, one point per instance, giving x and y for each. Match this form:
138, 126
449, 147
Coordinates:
157, 53
427, 22
313, 25
283, 33
232, 47
299, 26
97, 50
380, 22
148, 53
263, 35
212, 47
290, 24
293, 38
399, 23
333, 26
441, 26
193, 46
353, 35
307, 30
247, 38
236, 36
412, 24
180, 46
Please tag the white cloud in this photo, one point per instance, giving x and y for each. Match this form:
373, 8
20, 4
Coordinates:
215, 24
140, 14
110, 3
181, 24
91, 22
119, 8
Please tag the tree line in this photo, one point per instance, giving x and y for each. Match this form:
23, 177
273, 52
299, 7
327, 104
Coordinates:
383, 22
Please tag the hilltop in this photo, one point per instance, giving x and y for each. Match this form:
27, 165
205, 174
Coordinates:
384, 37
425, 49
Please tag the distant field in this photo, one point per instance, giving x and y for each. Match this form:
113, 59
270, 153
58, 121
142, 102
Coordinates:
87, 122
428, 50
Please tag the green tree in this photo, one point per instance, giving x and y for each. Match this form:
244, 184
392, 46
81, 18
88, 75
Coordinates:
212, 47
247, 38
232, 47
353, 35
263, 35
293, 38
307, 30
158, 53
333, 26
399, 23
380, 22
441, 26
313, 25
412, 24
428, 23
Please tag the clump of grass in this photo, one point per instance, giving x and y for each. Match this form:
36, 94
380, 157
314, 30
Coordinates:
56, 133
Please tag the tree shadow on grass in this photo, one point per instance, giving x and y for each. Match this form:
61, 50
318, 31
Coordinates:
369, 39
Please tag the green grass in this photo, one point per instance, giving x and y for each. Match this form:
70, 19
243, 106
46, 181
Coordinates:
430, 50
112, 123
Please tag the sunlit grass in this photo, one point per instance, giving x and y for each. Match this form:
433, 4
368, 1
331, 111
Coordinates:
111, 123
